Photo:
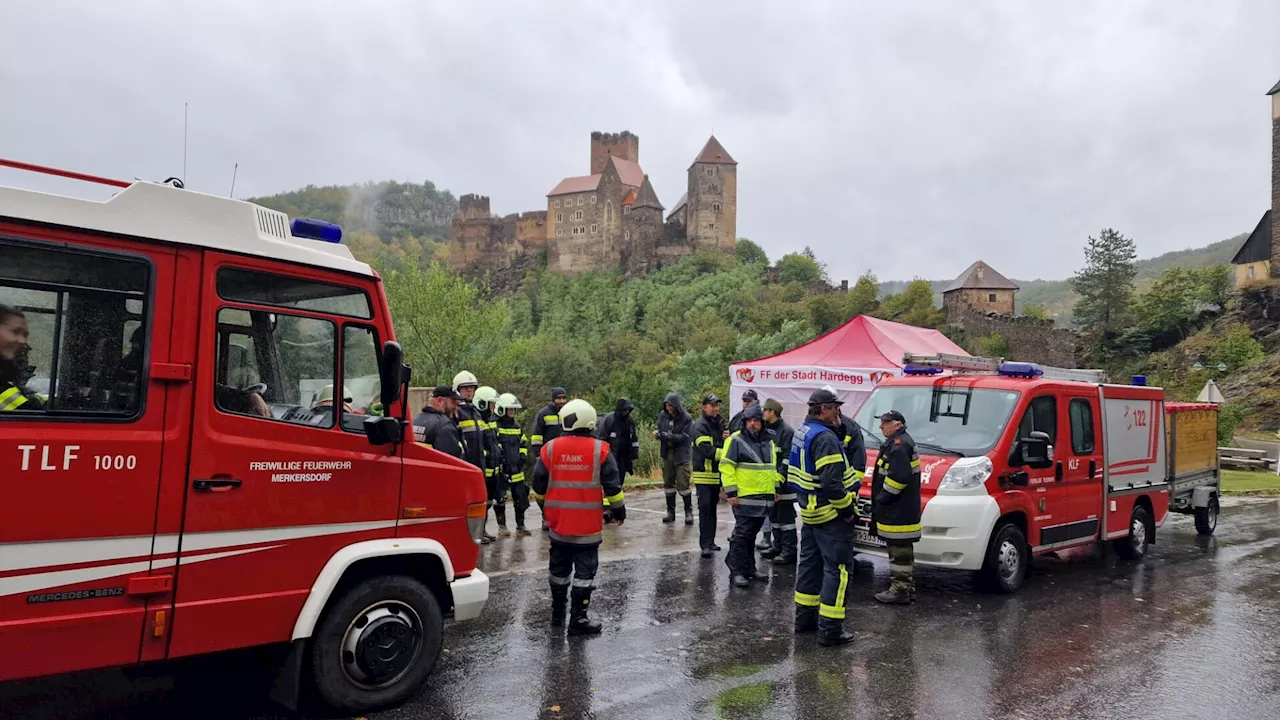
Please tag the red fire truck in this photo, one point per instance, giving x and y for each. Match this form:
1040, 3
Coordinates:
1017, 459
184, 478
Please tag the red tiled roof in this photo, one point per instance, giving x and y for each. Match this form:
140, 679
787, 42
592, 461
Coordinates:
629, 172
630, 197
569, 185
714, 152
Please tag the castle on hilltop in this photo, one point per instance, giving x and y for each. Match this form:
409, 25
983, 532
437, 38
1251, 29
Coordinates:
611, 218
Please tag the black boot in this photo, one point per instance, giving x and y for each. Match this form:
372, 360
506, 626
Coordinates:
784, 547
500, 512
579, 622
559, 601
766, 543
688, 509
831, 638
806, 619
671, 509
521, 530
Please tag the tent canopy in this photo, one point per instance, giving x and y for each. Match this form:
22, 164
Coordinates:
851, 359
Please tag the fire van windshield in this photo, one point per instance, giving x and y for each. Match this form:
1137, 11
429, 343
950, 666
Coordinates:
970, 423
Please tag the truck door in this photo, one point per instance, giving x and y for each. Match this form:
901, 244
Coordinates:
1081, 458
281, 475
1051, 512
82, 413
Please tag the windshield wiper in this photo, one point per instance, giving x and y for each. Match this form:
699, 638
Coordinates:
939, 448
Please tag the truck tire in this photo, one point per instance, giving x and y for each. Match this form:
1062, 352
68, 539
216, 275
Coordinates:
376, 644
1007, 561
1207, 517
1134, 545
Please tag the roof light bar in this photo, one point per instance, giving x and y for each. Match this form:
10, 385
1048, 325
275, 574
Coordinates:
315, 230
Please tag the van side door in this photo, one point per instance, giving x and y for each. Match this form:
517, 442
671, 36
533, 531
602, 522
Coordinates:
81, 440
1081, 457
281, 474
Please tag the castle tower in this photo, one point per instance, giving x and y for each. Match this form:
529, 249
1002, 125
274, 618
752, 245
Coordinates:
1275, 180
711, 215
473, 207
642, 227
623, 145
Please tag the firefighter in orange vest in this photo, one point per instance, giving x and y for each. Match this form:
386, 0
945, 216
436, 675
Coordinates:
574, 475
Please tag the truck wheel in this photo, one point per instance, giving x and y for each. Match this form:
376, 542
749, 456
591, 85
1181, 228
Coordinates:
376, 644
1007, 560
1134, 545
1207, 518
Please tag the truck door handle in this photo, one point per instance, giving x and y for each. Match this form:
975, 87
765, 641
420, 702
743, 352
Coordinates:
1093, 468
1057, 472
218, 483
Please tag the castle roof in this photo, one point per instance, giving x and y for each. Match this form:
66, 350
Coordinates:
713, 152
1274, 90
647, 197
684, 200
630, 197
629, 172
1258, 246
980, 276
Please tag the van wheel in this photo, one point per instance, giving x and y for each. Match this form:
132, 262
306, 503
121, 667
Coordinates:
1207, 517
377, 644
1007, 560
1134, 546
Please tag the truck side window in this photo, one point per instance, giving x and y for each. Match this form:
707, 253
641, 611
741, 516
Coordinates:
360, 376
84, 318
276, 366
1041, 416
1081, 426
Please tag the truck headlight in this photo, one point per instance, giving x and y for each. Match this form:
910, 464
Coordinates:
966, 474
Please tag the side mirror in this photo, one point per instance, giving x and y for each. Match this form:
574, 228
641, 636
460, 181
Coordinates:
391, 372
383, 430
1035, 450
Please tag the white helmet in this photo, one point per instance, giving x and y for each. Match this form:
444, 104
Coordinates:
506, 401
463, 379
485, 398
326, 395
577, 415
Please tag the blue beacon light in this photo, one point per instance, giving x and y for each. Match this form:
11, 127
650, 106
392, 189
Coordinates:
921, 370
1139, 380
1021, 369
315, 230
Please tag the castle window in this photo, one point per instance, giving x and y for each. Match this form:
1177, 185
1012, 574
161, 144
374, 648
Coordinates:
712, 226
608, 212
711, 171
559, 217
715, 207
626, 235
579, 200
577, 214
559, 232
991, 297
594, 228
555, 203
593, 199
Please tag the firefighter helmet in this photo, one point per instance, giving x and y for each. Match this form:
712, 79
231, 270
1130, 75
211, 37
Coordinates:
485, 398
507, 401
577, 415
326, 395
464, 379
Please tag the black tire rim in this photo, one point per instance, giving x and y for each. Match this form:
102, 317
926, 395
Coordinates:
381, 644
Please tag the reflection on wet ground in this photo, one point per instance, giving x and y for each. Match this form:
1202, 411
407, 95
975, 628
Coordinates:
1192, 632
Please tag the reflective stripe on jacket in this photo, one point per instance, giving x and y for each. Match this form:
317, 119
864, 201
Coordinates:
895, 489
512, 449
749, 471
578, 475
546, 427
816, 469
12, 399
708, 432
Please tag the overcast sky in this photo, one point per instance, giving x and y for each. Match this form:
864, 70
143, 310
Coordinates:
906, 140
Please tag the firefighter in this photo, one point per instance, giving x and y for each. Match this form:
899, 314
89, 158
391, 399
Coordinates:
486, 400
546, 427
471, 426
817, 468
575, 473
708, 436
435, 426
14, 347
618, 429
513, 449
749, 473
783, 518
895, 506
675, 438
855, 448
749, 397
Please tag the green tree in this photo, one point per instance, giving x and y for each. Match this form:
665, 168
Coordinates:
826, 311
913, 306
1170, 305
1214, 285
1036, 311
1105, 284
864, 297
798, 267
750, 253
993, 345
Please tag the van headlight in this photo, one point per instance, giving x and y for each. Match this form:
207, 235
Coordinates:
966, 474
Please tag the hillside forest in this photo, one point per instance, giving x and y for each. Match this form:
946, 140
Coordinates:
1175, 318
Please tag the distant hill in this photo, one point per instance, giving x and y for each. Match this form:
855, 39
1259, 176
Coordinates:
387, 209
1057, 297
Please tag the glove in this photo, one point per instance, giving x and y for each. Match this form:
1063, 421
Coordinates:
848, 514
619, 513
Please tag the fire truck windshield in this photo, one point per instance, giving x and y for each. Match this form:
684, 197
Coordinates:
966, 420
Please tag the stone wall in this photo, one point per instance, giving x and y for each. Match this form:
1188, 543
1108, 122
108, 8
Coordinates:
1275, 185
1030, 339
624, 145
481, 245
980, 299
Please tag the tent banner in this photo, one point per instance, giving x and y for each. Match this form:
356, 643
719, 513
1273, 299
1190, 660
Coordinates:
807, 376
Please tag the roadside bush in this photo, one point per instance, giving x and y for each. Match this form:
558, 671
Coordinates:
1230, 416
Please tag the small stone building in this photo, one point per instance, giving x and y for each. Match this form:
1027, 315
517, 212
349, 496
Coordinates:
1259, 257
981, 288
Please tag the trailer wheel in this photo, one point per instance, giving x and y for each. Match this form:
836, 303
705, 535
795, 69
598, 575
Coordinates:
1007, 560
1134, 545
377, 644
1207, 517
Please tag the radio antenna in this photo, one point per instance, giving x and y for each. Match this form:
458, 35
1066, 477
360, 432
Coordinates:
184, 142
234, 171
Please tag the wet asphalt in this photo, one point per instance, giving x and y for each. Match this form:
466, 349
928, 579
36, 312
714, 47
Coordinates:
1191, 632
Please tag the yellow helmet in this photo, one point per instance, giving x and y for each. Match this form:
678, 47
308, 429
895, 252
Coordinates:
485, 398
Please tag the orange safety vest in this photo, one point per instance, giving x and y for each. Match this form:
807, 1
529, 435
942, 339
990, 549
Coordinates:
575, 498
